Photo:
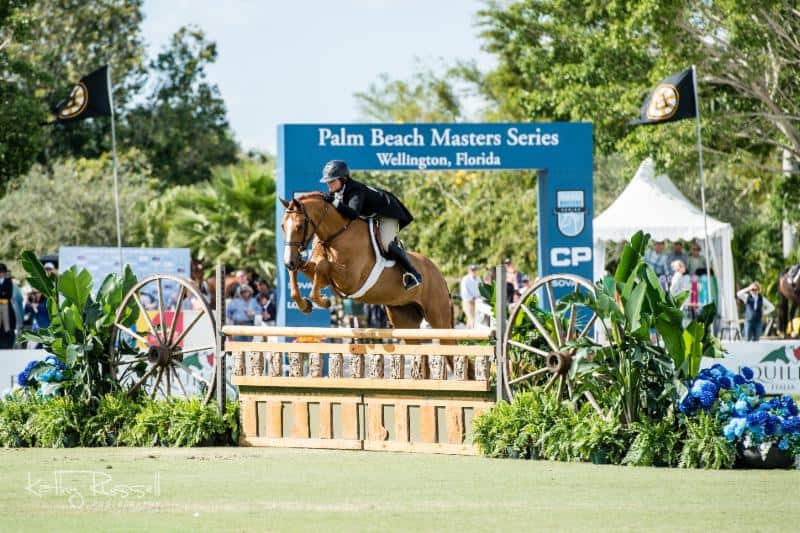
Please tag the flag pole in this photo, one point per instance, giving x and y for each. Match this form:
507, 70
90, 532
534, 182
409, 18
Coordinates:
702, 184
116, 176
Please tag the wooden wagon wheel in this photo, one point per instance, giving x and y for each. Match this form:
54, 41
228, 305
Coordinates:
536, 354
154, 360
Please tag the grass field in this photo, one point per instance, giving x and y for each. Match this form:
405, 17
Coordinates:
236, 489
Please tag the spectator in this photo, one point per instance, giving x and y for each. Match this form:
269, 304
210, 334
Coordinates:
8, 319
17, 301
242, 310
267, 304
755, 307
696, 261
470, 294
526, 284
680, 281
657, 258
50, 269
678, 255
513, 275
376, 316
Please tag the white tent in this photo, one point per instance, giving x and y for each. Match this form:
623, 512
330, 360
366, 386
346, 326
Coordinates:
653, 204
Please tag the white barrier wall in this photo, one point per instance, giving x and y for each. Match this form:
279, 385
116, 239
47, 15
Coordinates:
776, 364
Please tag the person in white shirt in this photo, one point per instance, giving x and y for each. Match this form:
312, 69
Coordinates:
755, 307
470, 294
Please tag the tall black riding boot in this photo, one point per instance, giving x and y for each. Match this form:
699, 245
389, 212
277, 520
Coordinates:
412, 277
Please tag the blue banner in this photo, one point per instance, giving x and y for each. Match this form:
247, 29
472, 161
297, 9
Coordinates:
561, 153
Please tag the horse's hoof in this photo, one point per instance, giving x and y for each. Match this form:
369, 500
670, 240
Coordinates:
307, 307
325, 303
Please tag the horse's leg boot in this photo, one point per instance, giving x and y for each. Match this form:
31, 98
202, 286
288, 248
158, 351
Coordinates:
412, 277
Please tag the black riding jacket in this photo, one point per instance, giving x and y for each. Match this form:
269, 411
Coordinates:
360, 200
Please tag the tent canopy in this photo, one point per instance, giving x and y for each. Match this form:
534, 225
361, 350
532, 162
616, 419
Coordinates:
653, 204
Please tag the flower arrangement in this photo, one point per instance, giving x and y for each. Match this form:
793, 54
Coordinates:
749, 418
46, 377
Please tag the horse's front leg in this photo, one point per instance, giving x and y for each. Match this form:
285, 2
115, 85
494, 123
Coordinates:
321, 280
304, 304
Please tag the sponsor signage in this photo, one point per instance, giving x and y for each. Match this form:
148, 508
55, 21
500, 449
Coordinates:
776, 364
560, 153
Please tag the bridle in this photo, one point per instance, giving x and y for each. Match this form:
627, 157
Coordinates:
308, 222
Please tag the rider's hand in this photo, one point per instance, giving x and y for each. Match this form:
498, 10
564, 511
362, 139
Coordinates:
338, 198
328, 197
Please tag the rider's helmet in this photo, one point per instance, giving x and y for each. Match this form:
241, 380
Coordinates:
334, 170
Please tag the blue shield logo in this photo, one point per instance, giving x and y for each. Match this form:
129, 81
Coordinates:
571, 212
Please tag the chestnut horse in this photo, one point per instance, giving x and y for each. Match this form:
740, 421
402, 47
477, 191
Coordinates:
790, 300
342, 257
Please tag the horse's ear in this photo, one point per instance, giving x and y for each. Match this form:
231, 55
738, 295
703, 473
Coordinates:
285, 203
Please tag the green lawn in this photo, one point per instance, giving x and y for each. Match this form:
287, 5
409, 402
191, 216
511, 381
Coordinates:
235, 489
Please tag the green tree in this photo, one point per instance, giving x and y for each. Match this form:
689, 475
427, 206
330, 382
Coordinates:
427, 97
70, 39
73, 204
230, 219
20, 134
183, 127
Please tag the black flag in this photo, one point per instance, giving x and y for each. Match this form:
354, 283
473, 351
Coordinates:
88, 98
672, 99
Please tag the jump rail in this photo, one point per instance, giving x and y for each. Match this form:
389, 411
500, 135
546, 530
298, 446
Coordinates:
357, 405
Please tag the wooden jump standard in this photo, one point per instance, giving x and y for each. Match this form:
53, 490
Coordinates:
287, 401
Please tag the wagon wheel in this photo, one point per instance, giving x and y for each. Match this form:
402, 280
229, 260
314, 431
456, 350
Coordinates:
159, 360
536, 355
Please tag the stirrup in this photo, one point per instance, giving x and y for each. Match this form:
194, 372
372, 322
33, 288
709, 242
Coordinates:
410, 280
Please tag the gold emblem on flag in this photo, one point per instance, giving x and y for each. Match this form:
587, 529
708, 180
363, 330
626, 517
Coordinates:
664, 102
76, 103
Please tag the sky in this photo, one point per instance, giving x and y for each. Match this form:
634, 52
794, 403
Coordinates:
301, 61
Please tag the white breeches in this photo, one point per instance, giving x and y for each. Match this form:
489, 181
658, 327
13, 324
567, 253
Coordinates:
388, 228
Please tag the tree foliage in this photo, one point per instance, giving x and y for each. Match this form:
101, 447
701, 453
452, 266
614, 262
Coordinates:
230, 219
73, 204
183, 127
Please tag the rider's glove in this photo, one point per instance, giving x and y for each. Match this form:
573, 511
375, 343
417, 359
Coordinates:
328, 197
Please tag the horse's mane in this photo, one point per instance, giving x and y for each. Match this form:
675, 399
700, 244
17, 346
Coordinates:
316, 195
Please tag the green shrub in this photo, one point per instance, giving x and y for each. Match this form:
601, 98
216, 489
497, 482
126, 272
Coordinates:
597, 439
516, 429
150, 426
657, 443
115, 414
15, 411
705, 446
57, 422
556, 442
232, 421
193, 424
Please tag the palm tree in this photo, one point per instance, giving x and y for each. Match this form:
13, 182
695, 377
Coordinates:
231, 219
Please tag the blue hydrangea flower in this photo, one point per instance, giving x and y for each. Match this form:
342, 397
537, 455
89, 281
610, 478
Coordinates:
53, 360
688, 405
741, 407
734, 428
725, 382
739, 380
701, 385
747, 372
756, 418
783, 444
707, 399
771, 425
51, 375
760, 389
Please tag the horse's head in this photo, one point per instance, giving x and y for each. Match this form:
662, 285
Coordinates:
300, 222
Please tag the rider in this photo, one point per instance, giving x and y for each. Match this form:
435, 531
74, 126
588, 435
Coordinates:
353, 199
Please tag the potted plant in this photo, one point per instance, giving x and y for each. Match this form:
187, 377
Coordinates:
766, 431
